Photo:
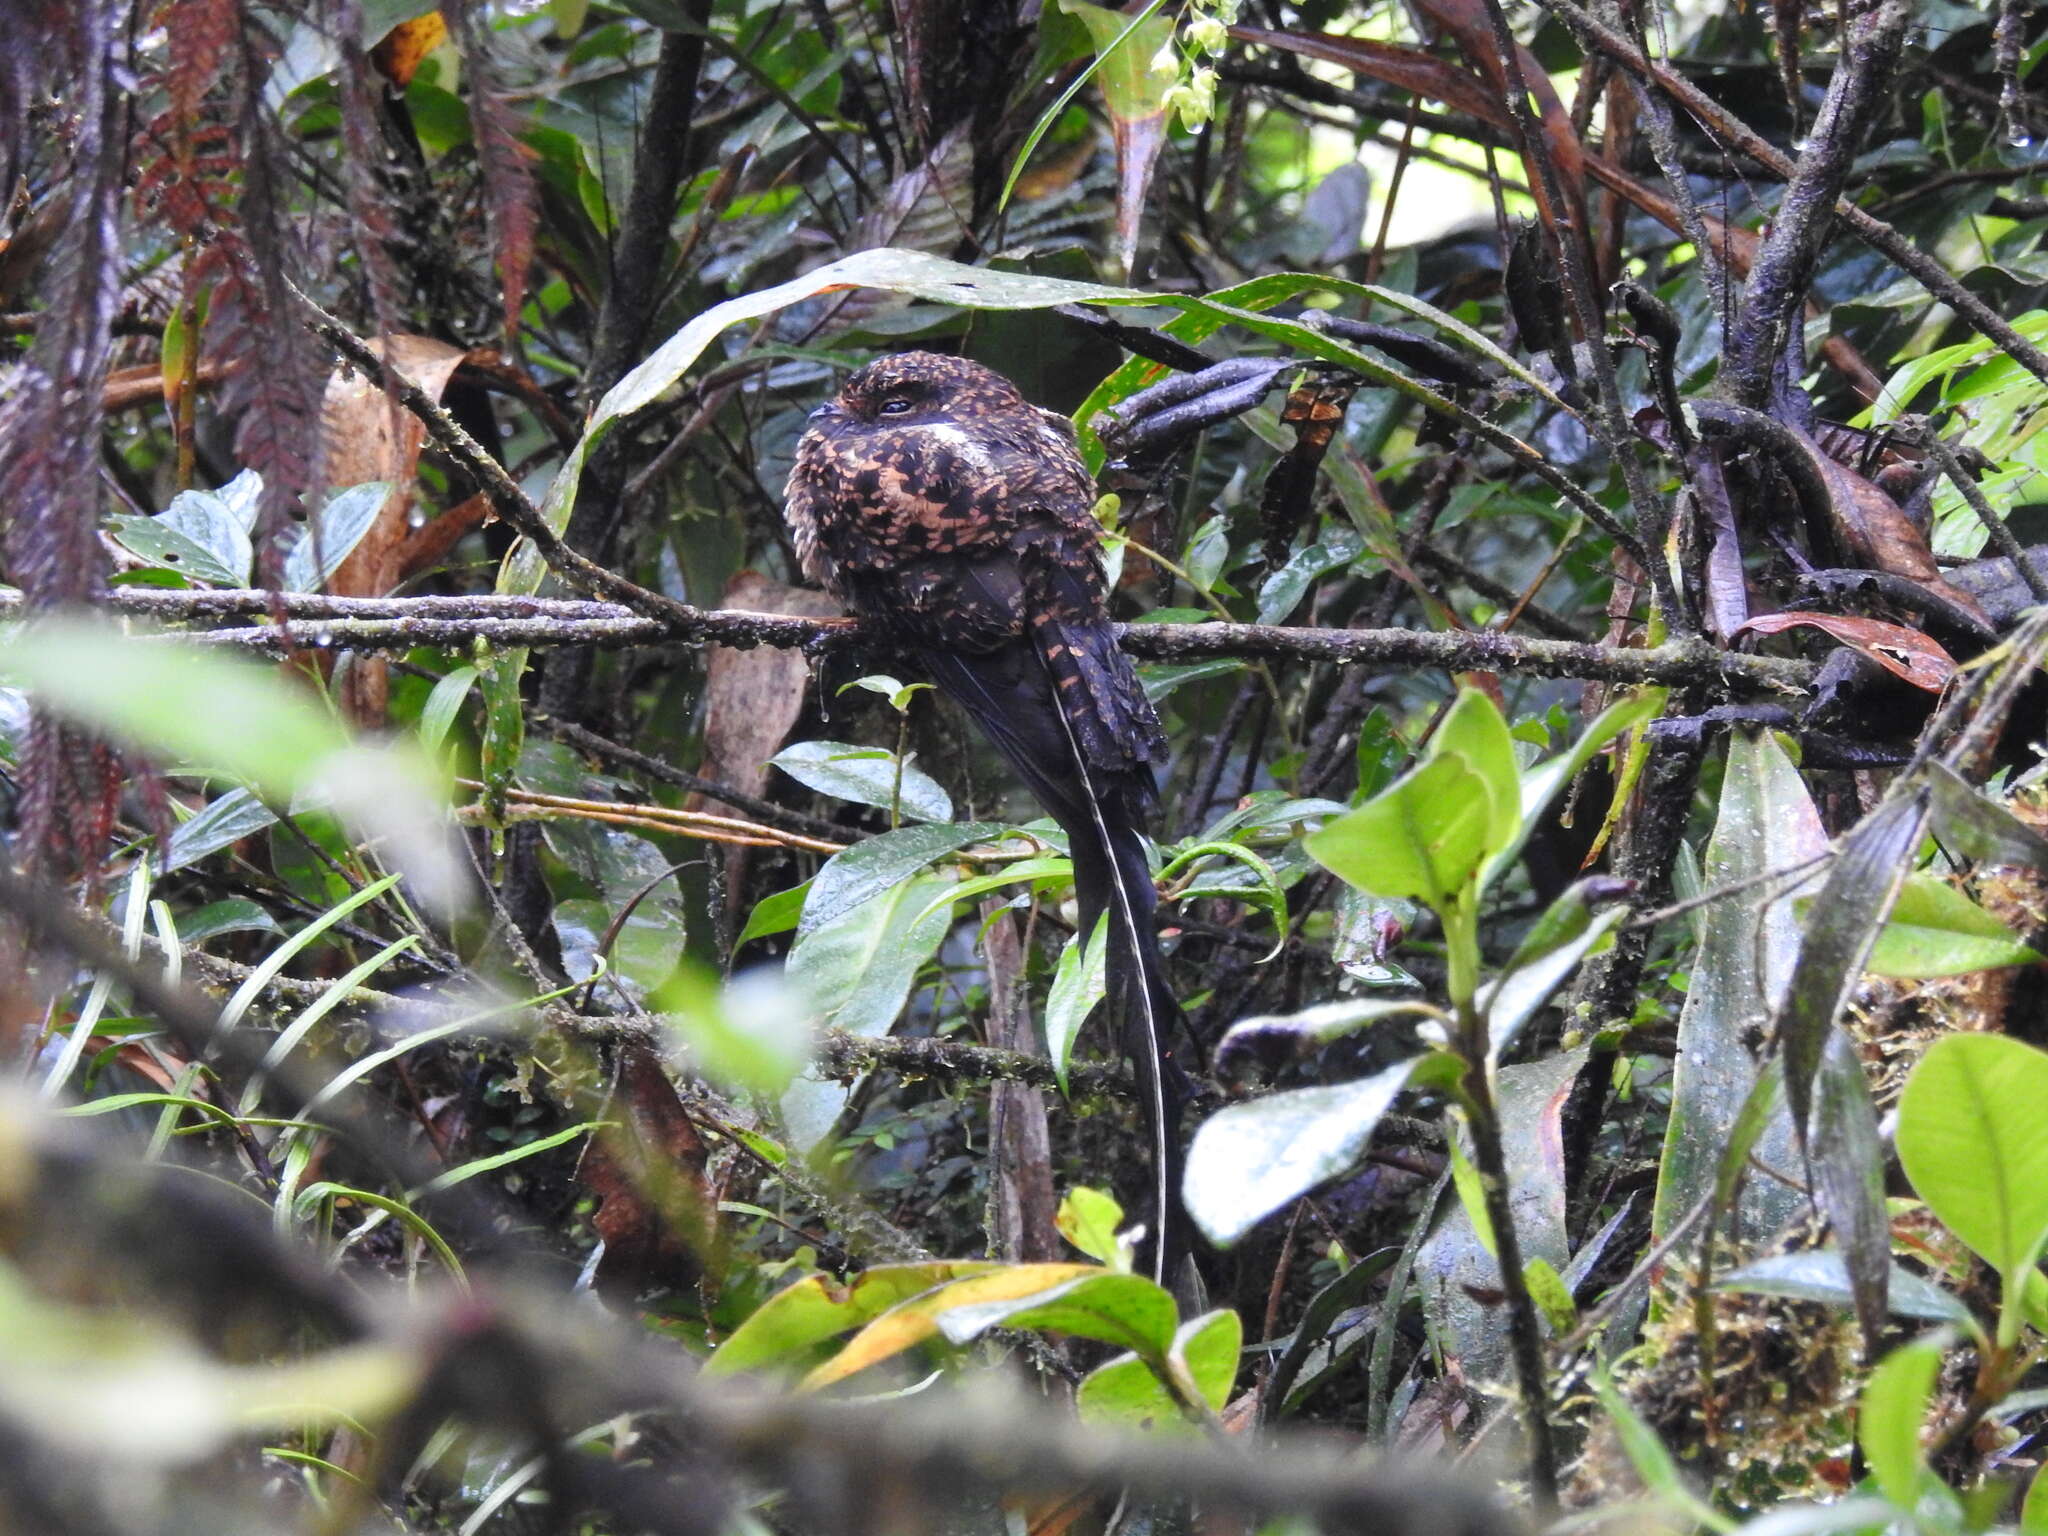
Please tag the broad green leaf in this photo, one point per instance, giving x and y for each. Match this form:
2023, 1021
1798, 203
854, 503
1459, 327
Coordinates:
1935, 930
1089, 1219
866, 776
1475, 731
1125, 1311
332, 535
1203, 1362
1974, 1142
874, 864
1248, 1160
916, 1320
797, 1319
858, 968
1893, 1407
1424, 836
1540, 784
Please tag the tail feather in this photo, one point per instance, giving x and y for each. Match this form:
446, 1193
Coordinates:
1016, 694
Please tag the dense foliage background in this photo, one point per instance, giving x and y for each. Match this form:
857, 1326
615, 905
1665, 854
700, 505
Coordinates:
507, 1003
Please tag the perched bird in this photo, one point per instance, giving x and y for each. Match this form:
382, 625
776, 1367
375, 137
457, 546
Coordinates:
955, 519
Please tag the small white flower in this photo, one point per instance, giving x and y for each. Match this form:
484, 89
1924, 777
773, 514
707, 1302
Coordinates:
1207, 35
1166, 62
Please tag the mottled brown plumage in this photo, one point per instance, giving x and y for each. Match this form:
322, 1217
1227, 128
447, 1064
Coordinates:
955, 519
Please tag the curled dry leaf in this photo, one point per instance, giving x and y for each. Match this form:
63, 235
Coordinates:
656, 1208
752, 698
365, 435
1905, 653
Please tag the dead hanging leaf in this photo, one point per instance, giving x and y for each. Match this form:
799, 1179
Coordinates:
1903, 652
365, 436
1136, 99
925, 209
656, 1209
400, 52
752, 698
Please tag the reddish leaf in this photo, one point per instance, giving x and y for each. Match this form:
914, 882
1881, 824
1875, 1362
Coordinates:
1904, 652
656, 1209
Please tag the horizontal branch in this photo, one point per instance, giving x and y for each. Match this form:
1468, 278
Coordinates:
394, 623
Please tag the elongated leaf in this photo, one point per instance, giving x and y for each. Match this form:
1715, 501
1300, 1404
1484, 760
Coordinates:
1935, 930
1818, 1274
818, 1308
225, 821
917, 1319
1888, 1420
1873, 863
1080, 981
866, 776
1766, 822
874, 864
1249, 1160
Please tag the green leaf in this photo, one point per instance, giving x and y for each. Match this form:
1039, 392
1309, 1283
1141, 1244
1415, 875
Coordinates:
806, 1314
1475, 731
1089, 1219
1124, 51
1565, 935
1079, 982
1935, 930
874, 864
866, 776
1424, 836
438, 714
1125, 1311
1202, 1363
1653, 1461
1818, 1274
1974, 1142
858, 968
1249, 1160
223, 823
333, 534
1766, 822
914, 1321
774, 914
1552, 1298
1888, 1422
1471, 1188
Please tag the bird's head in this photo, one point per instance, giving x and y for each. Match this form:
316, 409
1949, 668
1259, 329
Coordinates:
913, 388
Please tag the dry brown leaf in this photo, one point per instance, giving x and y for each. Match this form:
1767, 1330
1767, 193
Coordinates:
365, 436
1903, 652
656, 1210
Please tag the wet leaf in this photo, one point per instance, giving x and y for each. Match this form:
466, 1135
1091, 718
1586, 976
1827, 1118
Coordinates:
1905, 653
866, 776
1249, 1160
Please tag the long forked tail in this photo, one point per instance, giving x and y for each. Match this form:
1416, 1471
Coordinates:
1015, 694
1113, 877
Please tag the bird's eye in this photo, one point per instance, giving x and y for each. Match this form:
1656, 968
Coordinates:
895, 405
